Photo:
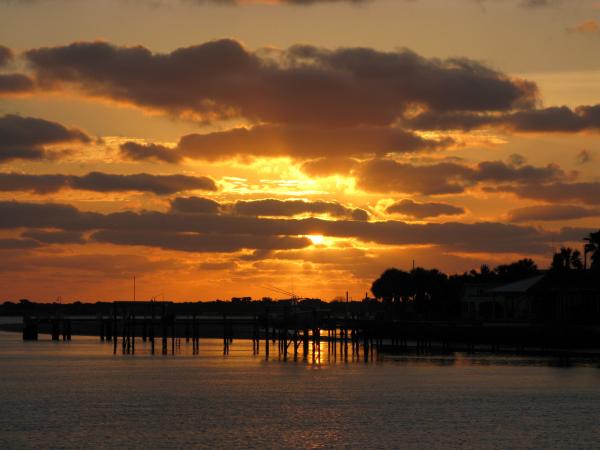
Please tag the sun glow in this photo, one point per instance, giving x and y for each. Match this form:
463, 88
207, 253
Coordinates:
317, 239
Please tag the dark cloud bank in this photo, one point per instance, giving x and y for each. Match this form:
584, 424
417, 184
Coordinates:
268, 207
550, 213
306, 102
104, 182
386, 175
300, 142
417, 210
222, 233
547, 120
28, 137
299, 85
12, 83
15, 83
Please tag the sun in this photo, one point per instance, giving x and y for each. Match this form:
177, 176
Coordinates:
317, 239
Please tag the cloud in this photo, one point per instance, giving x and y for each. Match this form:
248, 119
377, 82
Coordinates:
294, 141
194, 205
538, 3
561, 119
109, 265
416, 210
498, 171
323, 167
280, 2
149, 152
516, 159
368, 266
27, 137
550, 213
15, 83
585, 192
530, 4
299, 85
522, 3
44, 215
158, 184
554, 119
584, 157
218, 265
18, 244
54, 237
6, 55
269, 207
589, 27
199, 243
289, 208
40, 184
232, 2
386, 175
222, 233
338, 257
103, 182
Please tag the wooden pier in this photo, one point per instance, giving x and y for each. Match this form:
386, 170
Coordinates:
293, 333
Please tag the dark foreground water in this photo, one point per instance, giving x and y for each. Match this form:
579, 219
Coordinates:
78, 395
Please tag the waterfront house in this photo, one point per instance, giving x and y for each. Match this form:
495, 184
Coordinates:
567, 296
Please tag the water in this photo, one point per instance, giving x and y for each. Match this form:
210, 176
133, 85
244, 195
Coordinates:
78, 395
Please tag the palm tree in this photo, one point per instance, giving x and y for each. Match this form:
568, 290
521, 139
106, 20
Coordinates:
567, 259
592, 246
576, 260
558, 262
566, 253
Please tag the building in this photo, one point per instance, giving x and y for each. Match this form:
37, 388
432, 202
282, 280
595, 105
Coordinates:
571, 296
568, 296
477, 302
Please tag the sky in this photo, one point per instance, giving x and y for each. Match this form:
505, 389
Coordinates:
216, 148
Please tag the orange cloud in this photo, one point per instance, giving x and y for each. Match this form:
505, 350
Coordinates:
590, 27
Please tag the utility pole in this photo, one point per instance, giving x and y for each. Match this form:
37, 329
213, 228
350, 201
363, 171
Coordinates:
346, 304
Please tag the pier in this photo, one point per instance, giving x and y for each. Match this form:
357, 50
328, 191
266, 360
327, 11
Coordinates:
292, 333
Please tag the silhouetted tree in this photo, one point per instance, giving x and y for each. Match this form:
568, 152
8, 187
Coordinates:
523, 268
429, 288
566, 253
576, 262
558, 262
393, 285
566, 259
592, 247
485, 270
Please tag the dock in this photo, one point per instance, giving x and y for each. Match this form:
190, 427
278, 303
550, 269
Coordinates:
291, 332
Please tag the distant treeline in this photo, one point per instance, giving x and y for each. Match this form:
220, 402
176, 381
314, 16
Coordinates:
246, 307
436, 294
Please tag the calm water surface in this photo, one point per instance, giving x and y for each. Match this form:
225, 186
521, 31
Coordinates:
78, 395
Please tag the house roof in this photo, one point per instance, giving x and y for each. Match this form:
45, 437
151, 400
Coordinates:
569, 280
517, 287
